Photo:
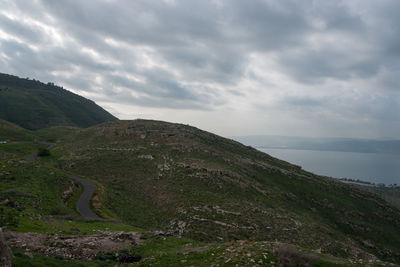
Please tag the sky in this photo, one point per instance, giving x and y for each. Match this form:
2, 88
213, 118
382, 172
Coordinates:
257, 67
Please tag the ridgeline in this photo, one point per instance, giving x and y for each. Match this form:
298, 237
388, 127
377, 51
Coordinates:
34, 105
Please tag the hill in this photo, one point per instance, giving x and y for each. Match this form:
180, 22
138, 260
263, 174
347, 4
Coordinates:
194, 198
178, 178
34, 105
12, 132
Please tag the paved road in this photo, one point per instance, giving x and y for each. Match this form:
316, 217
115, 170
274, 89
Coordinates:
83, 203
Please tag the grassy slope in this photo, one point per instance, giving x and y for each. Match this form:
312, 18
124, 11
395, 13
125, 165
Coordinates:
31, 195
194, 177
216, 189
35, 105
12, 132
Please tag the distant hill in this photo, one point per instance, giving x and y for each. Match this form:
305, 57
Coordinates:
12, 132
35, 105
322, 144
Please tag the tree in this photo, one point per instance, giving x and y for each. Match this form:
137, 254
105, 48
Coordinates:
43, 152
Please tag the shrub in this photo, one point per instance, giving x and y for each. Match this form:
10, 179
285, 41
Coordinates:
43, 152
122, 256
288, 255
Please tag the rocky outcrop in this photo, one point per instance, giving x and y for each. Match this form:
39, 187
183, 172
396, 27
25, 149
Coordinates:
73, 247
5, 252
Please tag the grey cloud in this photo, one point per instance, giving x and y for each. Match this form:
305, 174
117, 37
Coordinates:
165, 91
268, 25
336, 16
195, 54
28, 33
212, 44
304, 101
310, 66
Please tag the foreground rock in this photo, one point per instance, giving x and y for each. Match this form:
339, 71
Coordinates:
73, 247
5, 252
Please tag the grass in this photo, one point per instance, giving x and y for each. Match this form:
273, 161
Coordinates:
12, 132
19, 148
24, 259
213, 192
171, 251
222, 173
390, 193
33, 193
71, 201
72, 226
57, 133
35, 105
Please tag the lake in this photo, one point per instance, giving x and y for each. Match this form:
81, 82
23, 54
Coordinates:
371, 167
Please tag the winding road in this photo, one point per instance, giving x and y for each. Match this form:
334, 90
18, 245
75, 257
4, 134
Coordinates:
83, 203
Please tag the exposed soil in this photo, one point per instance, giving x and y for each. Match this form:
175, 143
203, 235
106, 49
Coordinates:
72, 247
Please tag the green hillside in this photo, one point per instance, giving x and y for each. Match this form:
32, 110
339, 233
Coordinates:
34, 105
10, 131
191, 197
180, 179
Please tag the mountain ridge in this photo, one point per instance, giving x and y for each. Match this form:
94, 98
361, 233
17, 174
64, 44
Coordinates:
34, 105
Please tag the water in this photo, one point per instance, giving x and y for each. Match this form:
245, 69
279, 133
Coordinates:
371, 167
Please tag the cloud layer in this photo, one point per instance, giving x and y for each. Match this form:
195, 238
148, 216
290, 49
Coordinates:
315, 68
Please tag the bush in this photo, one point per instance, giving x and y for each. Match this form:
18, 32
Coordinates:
288, 255
43, 152
122, 256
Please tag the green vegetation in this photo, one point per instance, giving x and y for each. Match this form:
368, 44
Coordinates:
390, 193
194, 198
12, 132
43, 152
23, 259
183, 180
35, 105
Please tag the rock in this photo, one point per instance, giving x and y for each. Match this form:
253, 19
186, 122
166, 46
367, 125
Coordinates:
4, 202
146, 157
125, 236
75, 246
6, 255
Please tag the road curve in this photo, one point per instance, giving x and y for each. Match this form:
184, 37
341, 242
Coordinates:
83, 203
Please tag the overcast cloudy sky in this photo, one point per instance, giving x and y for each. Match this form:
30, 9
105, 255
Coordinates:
234, 67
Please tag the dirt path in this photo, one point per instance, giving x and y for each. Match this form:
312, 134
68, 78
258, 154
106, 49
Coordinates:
83, 203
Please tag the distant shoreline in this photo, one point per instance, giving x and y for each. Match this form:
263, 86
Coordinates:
342, 176
327, 150
365, 183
